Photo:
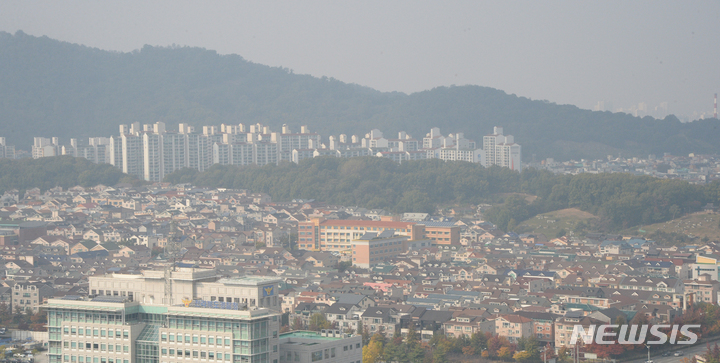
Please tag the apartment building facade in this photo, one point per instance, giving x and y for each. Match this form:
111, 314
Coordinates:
372, 248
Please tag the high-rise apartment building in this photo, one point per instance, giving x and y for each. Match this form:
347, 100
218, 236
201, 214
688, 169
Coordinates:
150, 152
97, 150
502, 150
6, 151
45, 147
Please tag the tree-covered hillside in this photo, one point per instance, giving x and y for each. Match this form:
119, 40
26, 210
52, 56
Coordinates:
59, 171
51, 88
620, 200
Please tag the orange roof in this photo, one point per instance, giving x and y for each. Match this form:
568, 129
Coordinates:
358, 223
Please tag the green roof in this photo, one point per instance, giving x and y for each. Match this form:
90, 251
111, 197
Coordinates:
303, 334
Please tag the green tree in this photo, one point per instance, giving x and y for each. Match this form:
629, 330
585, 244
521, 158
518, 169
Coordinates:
318, 322
392, 352
523, 356
297, 324
343, 265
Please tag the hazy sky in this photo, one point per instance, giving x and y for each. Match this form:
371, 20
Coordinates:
576, 52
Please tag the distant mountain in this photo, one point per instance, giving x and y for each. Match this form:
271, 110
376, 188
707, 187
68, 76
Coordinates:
52, 88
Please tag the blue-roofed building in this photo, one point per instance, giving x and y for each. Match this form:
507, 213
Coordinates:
638, 243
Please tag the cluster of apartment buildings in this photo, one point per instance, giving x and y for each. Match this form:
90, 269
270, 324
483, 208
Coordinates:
693, 168
151, 152
186, 273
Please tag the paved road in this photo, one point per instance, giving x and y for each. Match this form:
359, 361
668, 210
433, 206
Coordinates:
689, 352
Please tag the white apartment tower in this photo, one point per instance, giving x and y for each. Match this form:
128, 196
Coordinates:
502, 150
6, 151
45, 147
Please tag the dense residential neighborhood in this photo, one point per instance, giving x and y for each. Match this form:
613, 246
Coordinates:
363, 271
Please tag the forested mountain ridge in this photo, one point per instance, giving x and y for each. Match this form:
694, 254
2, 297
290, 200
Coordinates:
52, 88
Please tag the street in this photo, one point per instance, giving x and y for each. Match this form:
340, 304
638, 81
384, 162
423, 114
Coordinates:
689, 352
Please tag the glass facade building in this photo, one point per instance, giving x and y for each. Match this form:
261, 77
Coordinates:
116, 330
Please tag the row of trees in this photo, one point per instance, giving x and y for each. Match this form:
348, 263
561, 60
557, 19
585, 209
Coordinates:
23, 320
442, 349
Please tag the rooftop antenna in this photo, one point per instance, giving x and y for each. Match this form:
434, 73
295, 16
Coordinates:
715, 105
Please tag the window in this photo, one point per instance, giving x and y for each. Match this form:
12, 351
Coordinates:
314, 356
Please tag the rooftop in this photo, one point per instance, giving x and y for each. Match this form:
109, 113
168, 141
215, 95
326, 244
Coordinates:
249, 280
303, 334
